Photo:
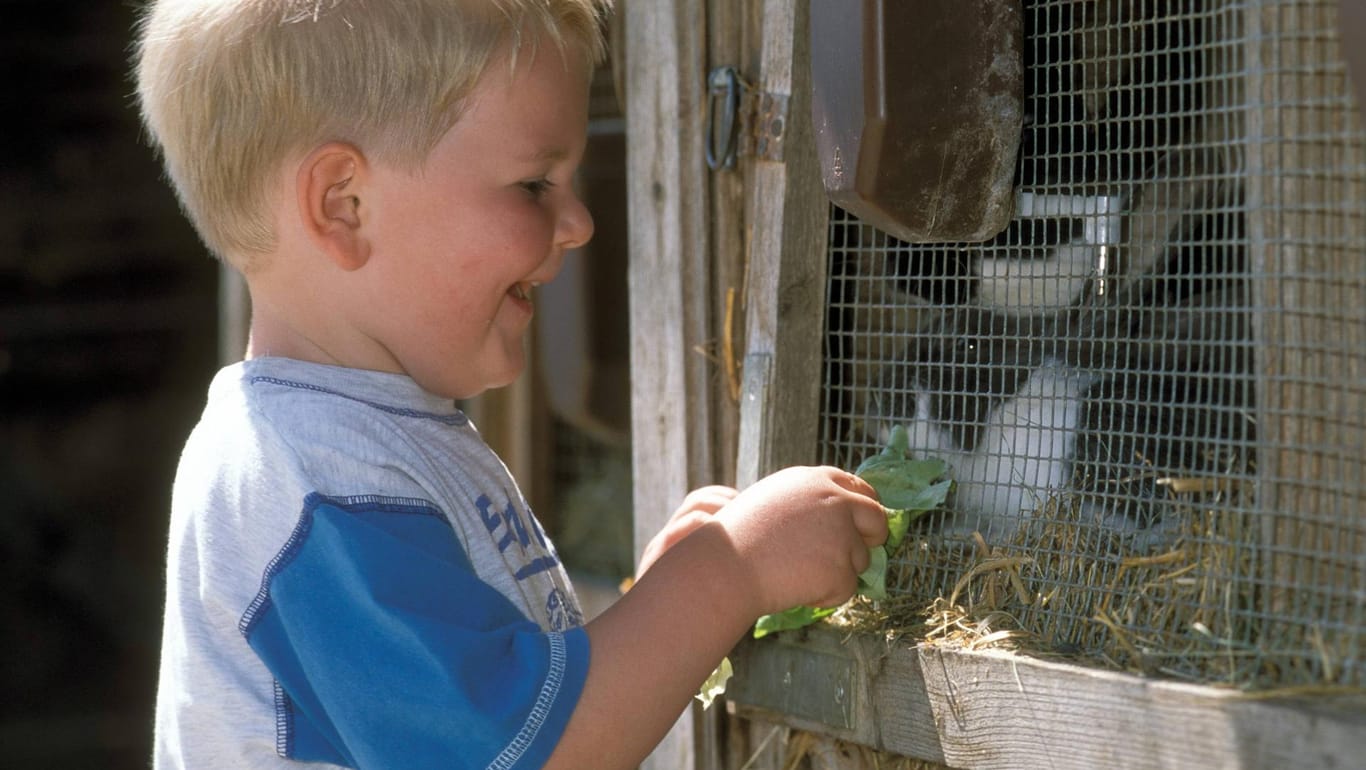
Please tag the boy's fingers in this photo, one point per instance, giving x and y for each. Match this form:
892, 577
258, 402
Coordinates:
714, 490
853, 483
861, 558
871, 522
709, 499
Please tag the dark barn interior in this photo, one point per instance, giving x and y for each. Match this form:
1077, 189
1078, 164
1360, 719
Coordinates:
107, 340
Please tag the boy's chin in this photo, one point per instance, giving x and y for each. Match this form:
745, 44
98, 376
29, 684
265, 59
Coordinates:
466, 389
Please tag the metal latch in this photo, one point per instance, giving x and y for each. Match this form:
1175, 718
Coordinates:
743, 120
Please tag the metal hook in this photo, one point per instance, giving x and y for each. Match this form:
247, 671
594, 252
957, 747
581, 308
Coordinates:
723, 83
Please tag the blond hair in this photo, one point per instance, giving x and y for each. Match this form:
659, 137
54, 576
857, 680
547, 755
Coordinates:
230, 88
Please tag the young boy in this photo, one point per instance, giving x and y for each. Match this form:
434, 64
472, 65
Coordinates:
353, 577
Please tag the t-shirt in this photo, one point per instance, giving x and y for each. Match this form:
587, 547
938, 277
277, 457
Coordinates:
355, 579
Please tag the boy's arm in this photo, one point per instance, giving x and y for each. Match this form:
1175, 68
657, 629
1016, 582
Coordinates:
800, 536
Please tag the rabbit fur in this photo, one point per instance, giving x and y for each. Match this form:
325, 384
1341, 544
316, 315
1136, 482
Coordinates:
1100, 390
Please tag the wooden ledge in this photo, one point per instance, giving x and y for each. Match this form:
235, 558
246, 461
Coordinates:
1004, 710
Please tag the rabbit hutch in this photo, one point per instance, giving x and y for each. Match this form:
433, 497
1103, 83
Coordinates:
1104, 258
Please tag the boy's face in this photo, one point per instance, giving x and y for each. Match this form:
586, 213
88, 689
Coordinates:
459, 245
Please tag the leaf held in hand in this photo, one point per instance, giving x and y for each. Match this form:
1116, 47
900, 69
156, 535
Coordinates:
790, 619
901, 482
872, 582
715, 685
908, 489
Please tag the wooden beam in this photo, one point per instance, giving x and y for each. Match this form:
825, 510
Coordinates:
1001, 710
784, 295
730, 28
785, 283
669, 283
1306, 201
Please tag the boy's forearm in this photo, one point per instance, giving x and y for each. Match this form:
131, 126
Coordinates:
654, 647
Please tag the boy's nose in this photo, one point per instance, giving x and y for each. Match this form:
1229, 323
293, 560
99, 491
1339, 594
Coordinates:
576, 224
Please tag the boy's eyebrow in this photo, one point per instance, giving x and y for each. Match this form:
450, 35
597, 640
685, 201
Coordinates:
552, 154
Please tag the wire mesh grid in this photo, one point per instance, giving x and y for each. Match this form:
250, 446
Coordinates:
1151, 387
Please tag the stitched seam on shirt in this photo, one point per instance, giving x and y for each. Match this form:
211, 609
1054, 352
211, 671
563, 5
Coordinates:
284, 705
550, 690
261, 602
284, 722
358, 504
458, 418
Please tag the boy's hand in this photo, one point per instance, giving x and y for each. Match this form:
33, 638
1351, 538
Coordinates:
697, 508
803, 535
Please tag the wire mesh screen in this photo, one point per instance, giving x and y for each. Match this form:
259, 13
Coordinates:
1151, 387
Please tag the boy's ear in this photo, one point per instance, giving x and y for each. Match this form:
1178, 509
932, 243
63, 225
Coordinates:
331, 192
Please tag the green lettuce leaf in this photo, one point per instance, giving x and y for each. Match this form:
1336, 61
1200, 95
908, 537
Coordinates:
908, 489
790, 619
715, 686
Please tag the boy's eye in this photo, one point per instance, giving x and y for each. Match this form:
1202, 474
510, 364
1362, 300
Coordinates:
537, 187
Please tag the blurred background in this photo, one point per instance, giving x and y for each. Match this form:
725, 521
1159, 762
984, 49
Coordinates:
109, 332
107, 341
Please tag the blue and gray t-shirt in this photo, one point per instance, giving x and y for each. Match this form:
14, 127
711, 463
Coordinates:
355, 579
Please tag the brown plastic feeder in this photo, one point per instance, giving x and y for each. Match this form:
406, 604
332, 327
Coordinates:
917, 109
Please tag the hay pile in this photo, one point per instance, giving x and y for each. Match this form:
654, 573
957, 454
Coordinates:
1063, 587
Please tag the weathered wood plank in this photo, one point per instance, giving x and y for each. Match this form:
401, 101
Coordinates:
785, 284
1306, 199
784, 295
728, 33
999, 710
668, 239
668, 278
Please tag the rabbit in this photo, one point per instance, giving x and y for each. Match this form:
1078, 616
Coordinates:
1168, 344
880, 288
1171, 394
1098, 399
989, 394
1024, 410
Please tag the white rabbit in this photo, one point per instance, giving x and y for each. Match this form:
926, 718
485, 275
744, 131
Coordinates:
1023, 455
986, 393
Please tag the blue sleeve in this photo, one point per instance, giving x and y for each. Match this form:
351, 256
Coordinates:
389, 652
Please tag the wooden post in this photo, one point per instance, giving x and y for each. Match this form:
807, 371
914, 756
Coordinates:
671, 416
786, 214
785, 316
1307, 231
731, 28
